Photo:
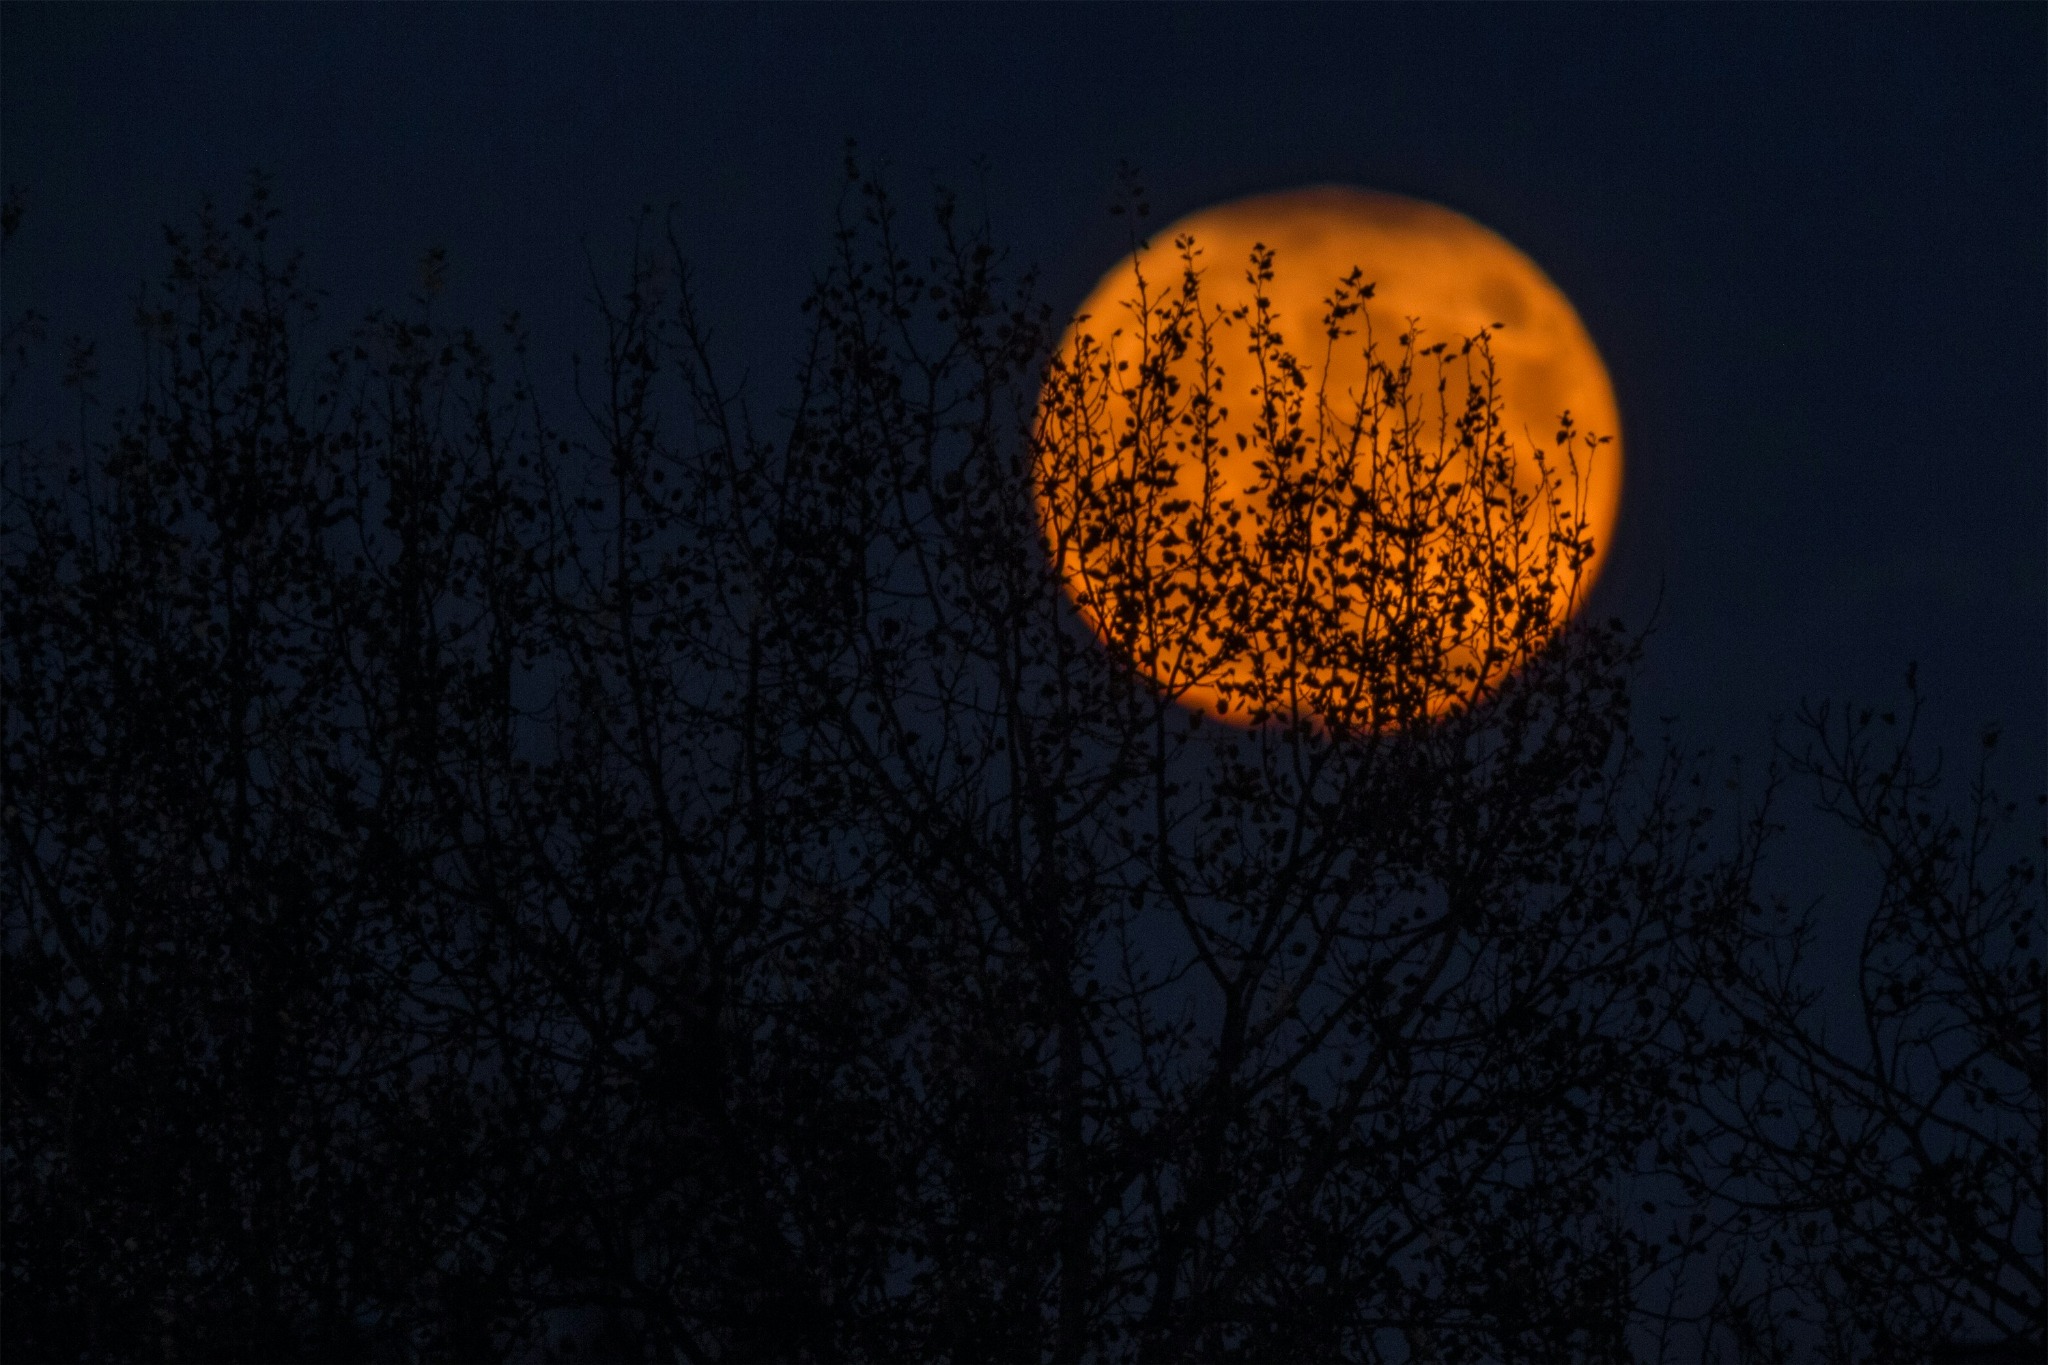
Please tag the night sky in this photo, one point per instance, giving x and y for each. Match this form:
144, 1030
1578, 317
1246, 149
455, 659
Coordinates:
1809, 241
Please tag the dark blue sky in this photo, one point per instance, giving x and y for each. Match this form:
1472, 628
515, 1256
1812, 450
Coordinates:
1809, 241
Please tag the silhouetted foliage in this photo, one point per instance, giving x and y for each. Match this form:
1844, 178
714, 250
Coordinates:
1874, 1168
688, 891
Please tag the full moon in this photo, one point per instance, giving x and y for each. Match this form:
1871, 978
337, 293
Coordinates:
1426, 276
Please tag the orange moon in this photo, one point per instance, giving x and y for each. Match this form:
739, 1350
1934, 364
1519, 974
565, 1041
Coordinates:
1432, 270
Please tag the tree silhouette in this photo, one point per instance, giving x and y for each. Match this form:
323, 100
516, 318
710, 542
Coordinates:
1877, 1170
702, 891
1274, 994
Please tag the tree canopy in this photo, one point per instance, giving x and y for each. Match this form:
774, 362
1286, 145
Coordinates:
653, 883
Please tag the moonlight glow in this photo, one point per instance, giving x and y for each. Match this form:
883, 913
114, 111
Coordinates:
1436, 276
